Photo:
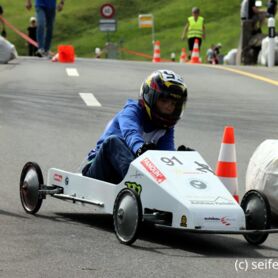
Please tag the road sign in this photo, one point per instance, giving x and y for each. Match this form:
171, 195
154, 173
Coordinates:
107, 10
107, 25
145, 20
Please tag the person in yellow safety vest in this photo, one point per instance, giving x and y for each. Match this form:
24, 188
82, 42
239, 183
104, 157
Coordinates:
194, 28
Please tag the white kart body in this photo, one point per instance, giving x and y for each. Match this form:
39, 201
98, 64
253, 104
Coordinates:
181, 183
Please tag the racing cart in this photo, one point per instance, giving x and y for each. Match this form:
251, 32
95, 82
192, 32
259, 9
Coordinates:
174, 189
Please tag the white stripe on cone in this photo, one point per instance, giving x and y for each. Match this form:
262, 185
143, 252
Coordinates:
227, 153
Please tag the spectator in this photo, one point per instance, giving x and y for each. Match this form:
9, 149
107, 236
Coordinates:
252, 20
218, 56
3, 32
210, 54
249, 11
213, 54
271, 8
45, 14
194, 29
32, 30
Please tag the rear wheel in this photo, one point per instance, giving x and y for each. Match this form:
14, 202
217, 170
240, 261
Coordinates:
31, 180
127, 216
257, 214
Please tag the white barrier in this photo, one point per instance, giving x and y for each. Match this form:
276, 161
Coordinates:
263, 55
7, 51
271, 42
230, 58
262, 172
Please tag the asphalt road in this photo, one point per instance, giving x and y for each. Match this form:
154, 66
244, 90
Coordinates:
43, 119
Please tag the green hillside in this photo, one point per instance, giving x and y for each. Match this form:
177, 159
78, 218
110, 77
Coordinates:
78, 24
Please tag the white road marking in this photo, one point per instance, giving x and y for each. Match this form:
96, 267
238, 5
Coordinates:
89, 99
72, 72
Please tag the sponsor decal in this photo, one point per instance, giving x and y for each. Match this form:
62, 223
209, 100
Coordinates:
58, 177
66, 180
153, 170
223, 220
211, 218
227, 220
198, 184
134, 186
183, 221
217, 201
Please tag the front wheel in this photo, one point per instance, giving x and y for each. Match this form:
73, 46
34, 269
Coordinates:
31, 180
257, 214
127, 216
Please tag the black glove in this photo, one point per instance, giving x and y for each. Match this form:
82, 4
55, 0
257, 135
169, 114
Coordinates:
183, 148
145, 147
1, 10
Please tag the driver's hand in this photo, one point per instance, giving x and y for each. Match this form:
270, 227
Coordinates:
145, 147
183, 148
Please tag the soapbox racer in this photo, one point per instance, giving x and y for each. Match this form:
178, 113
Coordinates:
174, 189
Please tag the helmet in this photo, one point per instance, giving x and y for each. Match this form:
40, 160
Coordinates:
163, 84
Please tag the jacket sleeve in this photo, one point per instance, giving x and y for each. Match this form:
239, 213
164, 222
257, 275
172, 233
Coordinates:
166, 142
130, 123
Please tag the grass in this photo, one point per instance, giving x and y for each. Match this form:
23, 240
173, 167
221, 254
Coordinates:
78, 25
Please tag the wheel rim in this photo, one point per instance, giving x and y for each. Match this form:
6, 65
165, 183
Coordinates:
127, 217
30, 183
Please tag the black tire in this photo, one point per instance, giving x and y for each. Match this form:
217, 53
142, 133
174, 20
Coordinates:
127, 216
31, 180
257, 214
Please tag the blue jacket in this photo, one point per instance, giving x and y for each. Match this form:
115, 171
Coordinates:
50, 4
133, 125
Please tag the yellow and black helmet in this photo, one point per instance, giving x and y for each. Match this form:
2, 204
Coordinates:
163, 84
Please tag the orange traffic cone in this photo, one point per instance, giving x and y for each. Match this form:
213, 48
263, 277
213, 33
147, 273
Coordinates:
183, 57
66, 53
195, 55
156, 52
226, 168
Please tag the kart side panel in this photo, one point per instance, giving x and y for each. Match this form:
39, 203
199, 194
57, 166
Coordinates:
81, 187
184, 184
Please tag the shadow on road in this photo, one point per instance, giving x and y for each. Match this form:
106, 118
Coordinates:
156, 240
11, 214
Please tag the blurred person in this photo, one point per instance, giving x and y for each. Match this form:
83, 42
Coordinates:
45, 14
32, 31
249, 11
252, 19
271, 8
194, 29
210, 54
217, 55
213, 54
3, 31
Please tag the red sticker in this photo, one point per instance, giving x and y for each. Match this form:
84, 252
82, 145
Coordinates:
58, 177
225, 221
153, 170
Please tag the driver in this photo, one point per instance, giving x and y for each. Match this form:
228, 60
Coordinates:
144, 124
